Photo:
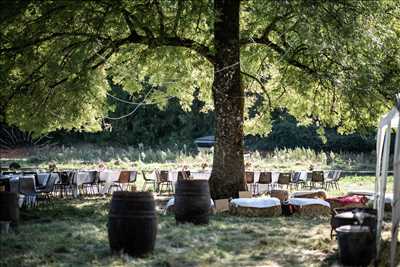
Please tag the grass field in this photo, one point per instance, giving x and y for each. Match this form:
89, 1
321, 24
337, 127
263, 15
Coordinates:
74, 233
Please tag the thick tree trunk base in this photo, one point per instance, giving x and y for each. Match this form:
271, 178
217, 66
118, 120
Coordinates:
227, 177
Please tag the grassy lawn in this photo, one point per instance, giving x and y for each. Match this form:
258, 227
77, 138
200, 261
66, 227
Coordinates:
351, 183
74, 233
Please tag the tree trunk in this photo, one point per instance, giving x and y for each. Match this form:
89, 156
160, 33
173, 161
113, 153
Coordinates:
227, 177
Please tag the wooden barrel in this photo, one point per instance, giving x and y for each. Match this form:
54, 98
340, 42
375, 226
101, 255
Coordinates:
132, 223
192, 201
9, 209
357, 245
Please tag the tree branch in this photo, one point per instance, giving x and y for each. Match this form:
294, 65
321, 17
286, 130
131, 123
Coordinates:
272, 24
147, 31
169, 41
177, 17
280, 51
129, 22
261, 85
50, 37
151, 40
160, 17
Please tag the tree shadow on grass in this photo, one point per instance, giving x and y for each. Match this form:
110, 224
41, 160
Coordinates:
60, 209
65, 232
74, 233
243, 241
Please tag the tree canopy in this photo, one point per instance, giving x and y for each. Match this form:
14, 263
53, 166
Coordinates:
334, 62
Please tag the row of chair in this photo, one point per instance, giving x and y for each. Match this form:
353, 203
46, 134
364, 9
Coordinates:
315, 179
33, 193
161, 183
63, 183
125, 182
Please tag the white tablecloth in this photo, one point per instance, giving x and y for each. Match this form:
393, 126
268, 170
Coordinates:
81, 178
78, 179
256, 202
108, 176
173, 175
308, 201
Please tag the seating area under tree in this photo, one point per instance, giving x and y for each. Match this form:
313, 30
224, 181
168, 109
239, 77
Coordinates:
226, 74
37, 186
44, 191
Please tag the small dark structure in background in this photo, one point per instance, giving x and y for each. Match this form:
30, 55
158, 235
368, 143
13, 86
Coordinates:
205, 141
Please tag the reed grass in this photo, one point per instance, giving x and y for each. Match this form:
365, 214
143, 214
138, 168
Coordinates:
88, 156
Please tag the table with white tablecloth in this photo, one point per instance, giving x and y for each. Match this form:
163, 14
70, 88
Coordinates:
108, 177
78, 180
81, 178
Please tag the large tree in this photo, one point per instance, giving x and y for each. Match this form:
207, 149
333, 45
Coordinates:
330, 62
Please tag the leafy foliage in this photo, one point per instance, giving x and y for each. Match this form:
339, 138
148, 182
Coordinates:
330, 62
148, 125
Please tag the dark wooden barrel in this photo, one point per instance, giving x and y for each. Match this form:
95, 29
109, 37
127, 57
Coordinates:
357, 245
132, 223
9, 209
192, 201
355, 216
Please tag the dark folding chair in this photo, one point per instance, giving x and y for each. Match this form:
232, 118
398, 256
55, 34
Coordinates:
284, 179
46, 192
148, 181
65, 183
317, 177
163, 182
296, 182
333, 181
265, 179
